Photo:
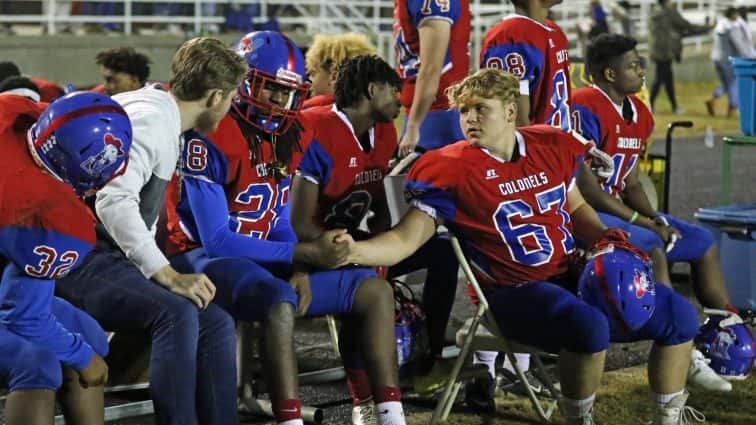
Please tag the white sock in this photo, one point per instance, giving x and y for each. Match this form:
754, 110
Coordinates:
390, 413
572, 408
487, 358
523, 360
292, 422
663, 399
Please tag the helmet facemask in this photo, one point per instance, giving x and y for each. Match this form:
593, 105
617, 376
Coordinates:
254, 101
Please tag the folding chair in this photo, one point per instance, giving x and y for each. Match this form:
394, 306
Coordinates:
486, 335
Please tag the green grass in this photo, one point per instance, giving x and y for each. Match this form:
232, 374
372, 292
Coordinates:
691, 97
623, 399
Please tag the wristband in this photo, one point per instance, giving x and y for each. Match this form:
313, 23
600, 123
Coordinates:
633, 217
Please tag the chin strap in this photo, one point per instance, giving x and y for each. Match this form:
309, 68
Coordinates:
731, 318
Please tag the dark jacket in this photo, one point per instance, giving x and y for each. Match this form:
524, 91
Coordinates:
666, 29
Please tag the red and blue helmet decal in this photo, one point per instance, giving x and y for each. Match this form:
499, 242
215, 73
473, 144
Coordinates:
620, 283
729, 345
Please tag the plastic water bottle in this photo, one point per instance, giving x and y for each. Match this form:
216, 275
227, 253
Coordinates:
403, 340
709, 137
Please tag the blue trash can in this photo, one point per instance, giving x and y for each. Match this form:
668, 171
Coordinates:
745, 79
734, 228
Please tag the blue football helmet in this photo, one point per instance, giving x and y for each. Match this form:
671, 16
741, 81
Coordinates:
83, 139
617, 279
728, 344
275, 88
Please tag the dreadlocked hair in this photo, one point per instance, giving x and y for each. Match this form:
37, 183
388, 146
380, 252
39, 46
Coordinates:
356, 75
284, 146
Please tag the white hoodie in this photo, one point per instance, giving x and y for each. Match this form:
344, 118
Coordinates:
129, 206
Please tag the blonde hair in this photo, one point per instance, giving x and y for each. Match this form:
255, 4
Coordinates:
487, 83
328, 52
202, 64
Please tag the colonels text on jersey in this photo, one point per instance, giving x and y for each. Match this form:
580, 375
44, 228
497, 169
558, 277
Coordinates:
408, 16
512, 215
621, 134
350, 175
537, 54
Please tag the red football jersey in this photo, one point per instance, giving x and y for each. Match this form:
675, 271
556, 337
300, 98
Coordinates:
350, 178
48, 90
408, 16
45, 229
538, 54
597, 118
255, 198
320, 100
512, 216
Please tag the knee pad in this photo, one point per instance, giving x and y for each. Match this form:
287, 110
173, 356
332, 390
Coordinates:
583, 330
34, 368
685, 321
675, 320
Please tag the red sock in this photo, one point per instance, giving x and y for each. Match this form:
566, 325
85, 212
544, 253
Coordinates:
731, 308
287, 410
384, 394
359, 385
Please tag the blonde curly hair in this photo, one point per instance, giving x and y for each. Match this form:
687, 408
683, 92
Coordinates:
328, 52
487, 83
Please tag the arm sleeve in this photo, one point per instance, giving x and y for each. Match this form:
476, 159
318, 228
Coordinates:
282, 231
118, 203
429, 188
207, 201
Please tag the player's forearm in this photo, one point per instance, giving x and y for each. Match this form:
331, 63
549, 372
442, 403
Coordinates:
597, 198
306, 254
586, 224
306, 229
426, 86
381, 222
389, 248
636, 198
386, 249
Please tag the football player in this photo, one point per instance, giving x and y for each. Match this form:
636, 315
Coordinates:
431, 41
324, 58
229, 218
122, 69
340, 178
534, 48
54, 155
127, 283
609, 113
510, 196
